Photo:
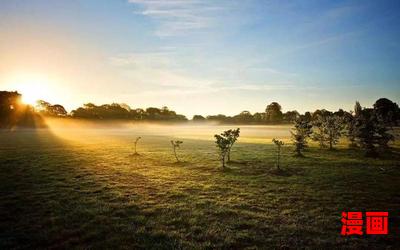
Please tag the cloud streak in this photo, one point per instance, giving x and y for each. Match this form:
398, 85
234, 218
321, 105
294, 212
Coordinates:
178, 17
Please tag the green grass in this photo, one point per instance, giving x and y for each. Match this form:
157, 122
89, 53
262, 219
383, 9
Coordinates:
88, 190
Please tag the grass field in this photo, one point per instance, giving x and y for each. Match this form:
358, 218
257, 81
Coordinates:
76, 188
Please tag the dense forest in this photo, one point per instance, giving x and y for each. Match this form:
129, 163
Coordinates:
13, 113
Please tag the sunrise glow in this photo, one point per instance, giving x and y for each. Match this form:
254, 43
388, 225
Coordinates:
32, 87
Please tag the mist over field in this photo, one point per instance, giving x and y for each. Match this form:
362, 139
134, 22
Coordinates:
69, 128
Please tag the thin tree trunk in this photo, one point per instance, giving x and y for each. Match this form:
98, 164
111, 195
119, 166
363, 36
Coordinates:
176, 155
279, 151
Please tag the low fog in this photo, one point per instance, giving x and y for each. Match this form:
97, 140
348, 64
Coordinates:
203, 131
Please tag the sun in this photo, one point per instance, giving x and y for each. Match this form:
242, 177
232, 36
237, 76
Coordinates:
30, 94
31, 88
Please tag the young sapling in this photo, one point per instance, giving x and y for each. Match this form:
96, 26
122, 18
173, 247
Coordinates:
136, 141
279, 145
175, 145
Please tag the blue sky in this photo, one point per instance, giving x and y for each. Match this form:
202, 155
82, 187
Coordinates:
202, 57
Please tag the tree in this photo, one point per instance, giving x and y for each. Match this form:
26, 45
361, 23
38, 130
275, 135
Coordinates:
58, 110
291, 116
349, 126
365, 131
307, 116
387, 111
153, 113
223, 146
383, 134
258, 117
219, 118
116, 111
371, 131
319, 133
245, 117
15, 114
357, 109
175, 145
278, 144
334, 127
328, 129
273, 112
198, 118
47, 109
300, 133
10, 104
232, 135
320, 112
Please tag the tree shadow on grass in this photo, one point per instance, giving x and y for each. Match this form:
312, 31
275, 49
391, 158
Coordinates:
286, 171
243, 162
179, 164
260, 168
59, 196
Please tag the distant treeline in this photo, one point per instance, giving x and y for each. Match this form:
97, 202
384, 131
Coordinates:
14, 113
117, 111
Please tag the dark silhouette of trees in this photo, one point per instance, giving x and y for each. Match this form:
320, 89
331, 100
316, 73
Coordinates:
319, 134
15, 114
387, 111
349, 126
290, 116
370, 129
245, 117
300, 133
357, 109
307, 116
371, 132
117, 111
320, 113
273, 115
9, 107
198, 118
327, 129
273, 112
220, 118
258, 118
365, 132
47, 109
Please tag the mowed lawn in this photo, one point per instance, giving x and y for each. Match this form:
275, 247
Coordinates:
77, 189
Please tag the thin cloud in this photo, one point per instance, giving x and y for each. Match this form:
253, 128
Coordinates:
177, 17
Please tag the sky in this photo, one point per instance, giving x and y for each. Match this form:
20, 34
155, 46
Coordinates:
202, 57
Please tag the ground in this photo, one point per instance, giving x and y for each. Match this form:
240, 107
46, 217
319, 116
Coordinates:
79, 189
